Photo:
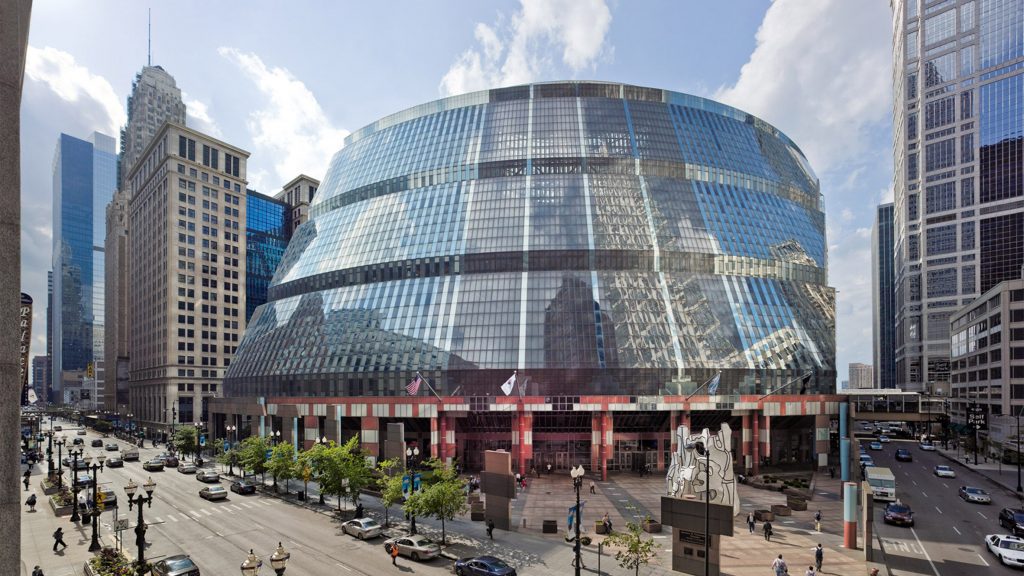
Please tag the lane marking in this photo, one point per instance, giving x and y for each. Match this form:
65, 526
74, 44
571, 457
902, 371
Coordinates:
172, 518
204, 511
246, 504
929, 558
915, 482
343, 566
923, 493
979, 558
236, 507
954, 529
159, 520
945, 485
982, 515
937, 508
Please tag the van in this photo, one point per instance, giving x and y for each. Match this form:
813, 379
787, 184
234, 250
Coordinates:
130, 454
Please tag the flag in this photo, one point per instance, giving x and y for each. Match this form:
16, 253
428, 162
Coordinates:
575, 516
413, 387
713, 384
32, 398
509, 384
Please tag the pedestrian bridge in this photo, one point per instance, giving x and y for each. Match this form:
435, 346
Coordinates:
896, 406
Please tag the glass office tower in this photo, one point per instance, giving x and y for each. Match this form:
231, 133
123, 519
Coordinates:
266, 237
959, 127
883, 298
84, 179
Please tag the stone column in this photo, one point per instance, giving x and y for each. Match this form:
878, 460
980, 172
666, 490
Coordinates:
524, 435
755, 444
821, 440
311, 426
369, 436
438, 448
746, 438
607, 443
766, 433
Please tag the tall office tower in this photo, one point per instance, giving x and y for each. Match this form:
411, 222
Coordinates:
186, 273
860, 376
41, 377
267, 233
958, 85
298, 194
155, 99
883, 298
49, 336
84, 177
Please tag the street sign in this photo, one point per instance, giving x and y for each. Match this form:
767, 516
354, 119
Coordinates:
202, 439
976, 417
120, 524
227, 445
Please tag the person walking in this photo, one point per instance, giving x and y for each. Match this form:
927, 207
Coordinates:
394, 554
767, 529
31, 503
534, 472
549, 468
779, 566
593, 487
25, 479
817, 521
751, 522
37, 571
359, 510
58, 539
490, 529
819, 556
607, 523
810, 571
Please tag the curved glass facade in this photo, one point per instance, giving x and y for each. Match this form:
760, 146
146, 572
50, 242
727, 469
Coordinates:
598, 238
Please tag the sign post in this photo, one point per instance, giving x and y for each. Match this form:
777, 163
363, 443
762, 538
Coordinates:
977, 418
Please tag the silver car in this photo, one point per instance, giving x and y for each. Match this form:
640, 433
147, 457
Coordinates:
179, 565
416, 547
207, 476
363, 528
972, 494
943, 471
213, 493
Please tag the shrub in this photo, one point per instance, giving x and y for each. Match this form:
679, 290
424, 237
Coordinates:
110, 562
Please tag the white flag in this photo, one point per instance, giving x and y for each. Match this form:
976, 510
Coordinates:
509, 384
32, 398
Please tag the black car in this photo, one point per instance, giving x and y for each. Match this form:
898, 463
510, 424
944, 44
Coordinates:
1012, 520
77, 442
97, 443
243, 486
483, 566
899, 514
904, 455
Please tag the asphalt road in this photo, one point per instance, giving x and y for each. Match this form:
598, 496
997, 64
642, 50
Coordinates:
218, 535
948, 536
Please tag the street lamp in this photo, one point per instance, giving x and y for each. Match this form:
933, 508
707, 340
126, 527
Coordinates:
322, 442
412, 454
275, 437
60, 461
279, 559
251, 566
231, 439
140, 526
49, 452
702, 450
199, 449
74, 454
577, 483
95, 469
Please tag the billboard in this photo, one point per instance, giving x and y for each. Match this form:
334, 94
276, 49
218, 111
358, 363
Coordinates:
25, 323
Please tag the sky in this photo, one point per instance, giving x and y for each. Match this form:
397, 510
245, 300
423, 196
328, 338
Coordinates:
287, 81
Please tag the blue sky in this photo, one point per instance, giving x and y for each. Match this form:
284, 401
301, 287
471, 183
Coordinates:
287, 82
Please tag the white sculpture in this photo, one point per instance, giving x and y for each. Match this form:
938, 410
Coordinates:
687, 475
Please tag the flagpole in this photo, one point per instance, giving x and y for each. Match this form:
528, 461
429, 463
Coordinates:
703, 385
427, 382
790, 381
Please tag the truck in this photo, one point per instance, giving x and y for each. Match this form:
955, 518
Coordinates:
883, 483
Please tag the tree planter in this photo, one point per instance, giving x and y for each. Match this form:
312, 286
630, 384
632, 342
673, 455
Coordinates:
780, 510
764, 516
599, 527
652, 527
476, 512
797, 504
109, 562
59, 510
47, 488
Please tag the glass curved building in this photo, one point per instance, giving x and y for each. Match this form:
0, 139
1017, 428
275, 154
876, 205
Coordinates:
610, 244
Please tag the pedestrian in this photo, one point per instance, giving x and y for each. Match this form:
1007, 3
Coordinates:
819, 556
31, 503
549, 468
767, 529
58, 539
810, 571
26, 480
518, 479
817, 521
534, 472
524, 482
490, 529
832, 472
593, 487
37, 571
394, 554
751, 522
359, 510
607, 523
779, 566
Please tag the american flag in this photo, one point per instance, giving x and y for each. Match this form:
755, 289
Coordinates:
413, 387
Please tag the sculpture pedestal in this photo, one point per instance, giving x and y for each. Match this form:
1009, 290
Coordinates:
688, 518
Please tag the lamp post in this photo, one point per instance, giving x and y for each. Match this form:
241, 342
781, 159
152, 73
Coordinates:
74, 454
131, 428
60, 461
275, 437
278, 561
230, 430
412, 455
577, 483
140, 526
49, 452
199, 448
322, 442
95, 469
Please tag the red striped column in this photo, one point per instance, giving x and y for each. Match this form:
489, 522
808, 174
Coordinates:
596, 441
437, 437
607, 443
850, 515
746, 436
755, 445
369, 436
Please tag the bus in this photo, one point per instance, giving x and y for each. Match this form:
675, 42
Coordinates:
883, 483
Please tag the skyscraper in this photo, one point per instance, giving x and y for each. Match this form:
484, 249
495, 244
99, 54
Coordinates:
155, 99
958, 123
883, 298
84, 178
267, 233
860, 376
298, 194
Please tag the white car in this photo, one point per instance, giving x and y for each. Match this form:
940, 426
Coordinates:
417, 547
884, 439
1008, 549
927, 446
943, 471
363, 528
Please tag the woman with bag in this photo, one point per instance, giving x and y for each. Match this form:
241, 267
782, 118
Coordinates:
31, 503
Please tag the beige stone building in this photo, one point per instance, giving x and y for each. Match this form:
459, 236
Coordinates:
186, 275
298, 194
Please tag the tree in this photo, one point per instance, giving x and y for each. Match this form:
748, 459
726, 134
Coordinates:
186, 440
315, 460
252, 454
390, 484
282, 464
443, 499
634, 550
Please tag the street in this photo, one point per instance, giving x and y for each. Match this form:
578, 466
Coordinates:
948, 536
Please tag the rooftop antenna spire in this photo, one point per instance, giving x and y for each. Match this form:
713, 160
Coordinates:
149, 39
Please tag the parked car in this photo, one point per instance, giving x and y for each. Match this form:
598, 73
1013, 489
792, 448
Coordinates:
207, 476
884, 439
112, 447
417, 547
362, 528
1012, 520
904, 455
927, 446
115, 462
943, 471
83, 479
867, 460
243, 486
57, 428
213, 493
875, 446
972, 494
899, 514
97, 443
187, 468
179, 565
483, 566
1007, 549
155, 465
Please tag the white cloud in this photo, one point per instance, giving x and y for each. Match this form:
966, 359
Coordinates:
73, 83
291, 130
846, 215
518, 51
198, 116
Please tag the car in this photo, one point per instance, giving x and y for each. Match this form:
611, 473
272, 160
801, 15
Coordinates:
97, 443
899, 514
362, 528
207, 476
213, 493
904, 455
178, 565
112, 447
77, 442
83, 479
243, 486
875, 446
57, 429
943, 471
1007, 549
109, 498
155, 465
81, 432
483, 566
927, 446
130, 454
78, 464
417, 547
115, 462
972, 494
1012, 520
187, 468
884, 439
171, 461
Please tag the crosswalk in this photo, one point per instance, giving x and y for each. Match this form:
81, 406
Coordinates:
226, 508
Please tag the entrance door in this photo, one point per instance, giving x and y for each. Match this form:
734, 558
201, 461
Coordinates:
561, 460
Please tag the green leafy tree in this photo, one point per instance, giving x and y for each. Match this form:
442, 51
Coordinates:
389, 481
282, 464
252, 454
634, 550
315, 460
186, 440
443, 499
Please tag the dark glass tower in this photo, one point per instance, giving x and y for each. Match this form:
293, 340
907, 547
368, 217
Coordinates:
883, 298
266, 237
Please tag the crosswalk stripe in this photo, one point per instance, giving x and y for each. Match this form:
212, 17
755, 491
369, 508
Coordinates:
159, 520
236, 507
172, 518
205, 511
246, 504
218, 510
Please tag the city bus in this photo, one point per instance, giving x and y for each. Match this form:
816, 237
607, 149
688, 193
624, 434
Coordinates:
883, 483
